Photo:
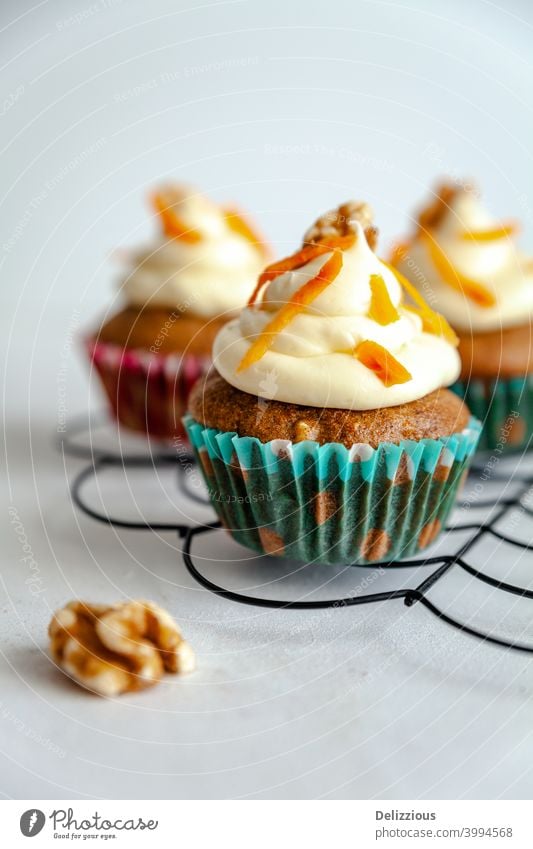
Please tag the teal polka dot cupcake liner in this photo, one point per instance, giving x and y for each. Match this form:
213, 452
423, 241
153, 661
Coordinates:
505, 407
329, 504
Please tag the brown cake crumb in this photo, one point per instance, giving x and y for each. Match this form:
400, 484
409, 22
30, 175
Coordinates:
160, 330
505, 352
215, 403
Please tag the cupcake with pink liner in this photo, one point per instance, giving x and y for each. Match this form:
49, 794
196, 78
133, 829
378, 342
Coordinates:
177, 294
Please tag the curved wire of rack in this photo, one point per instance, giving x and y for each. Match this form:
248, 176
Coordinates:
101, 460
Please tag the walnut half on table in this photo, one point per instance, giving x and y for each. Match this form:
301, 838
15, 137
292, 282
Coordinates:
120, 648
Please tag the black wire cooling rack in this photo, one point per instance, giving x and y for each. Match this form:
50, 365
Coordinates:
499, 506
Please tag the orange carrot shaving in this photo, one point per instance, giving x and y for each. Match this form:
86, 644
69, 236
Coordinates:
376, 358
432, 321
411, 290
238, 223
477, 293
491, 234
290, 263
173, 226
381, 309
301, 298
302, 257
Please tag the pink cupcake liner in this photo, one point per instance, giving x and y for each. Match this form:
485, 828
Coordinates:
147, 392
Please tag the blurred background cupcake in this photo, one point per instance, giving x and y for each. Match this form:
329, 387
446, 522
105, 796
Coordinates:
177, 294
467, 264
325, 434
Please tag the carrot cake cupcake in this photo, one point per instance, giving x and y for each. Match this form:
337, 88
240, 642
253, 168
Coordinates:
177, 294
468, 266
325, 433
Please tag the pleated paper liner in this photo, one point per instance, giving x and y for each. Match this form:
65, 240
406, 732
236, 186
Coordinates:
505, 407
147, 392
330, 504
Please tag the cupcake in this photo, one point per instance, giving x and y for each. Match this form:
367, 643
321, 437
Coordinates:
468, 266
177, 294
324, 431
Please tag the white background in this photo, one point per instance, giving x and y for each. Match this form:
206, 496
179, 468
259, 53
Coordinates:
287, 108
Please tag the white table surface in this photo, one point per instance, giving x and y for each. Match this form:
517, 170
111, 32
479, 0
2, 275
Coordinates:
377, 100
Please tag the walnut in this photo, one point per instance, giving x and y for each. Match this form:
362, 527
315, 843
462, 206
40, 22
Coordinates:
303, 430
340, 222
118, 648
432, 215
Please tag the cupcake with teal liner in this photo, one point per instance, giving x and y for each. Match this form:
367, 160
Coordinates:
467, 263
324, 431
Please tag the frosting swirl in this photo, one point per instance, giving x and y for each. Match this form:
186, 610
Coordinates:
467, 263
205, 262
313, 359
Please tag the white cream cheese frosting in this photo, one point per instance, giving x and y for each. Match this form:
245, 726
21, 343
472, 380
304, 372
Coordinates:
210, 275
502, 269
312, 361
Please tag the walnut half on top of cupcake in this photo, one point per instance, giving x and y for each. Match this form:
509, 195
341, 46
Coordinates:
329, 395
176, 294
468, 264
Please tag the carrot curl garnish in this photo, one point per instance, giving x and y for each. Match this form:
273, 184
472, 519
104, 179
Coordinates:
492, 234
290, 263
473, 290
301, 298
300, 258
173, 226
381, 309
432, 321
242, 227
435, 323
386, 367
